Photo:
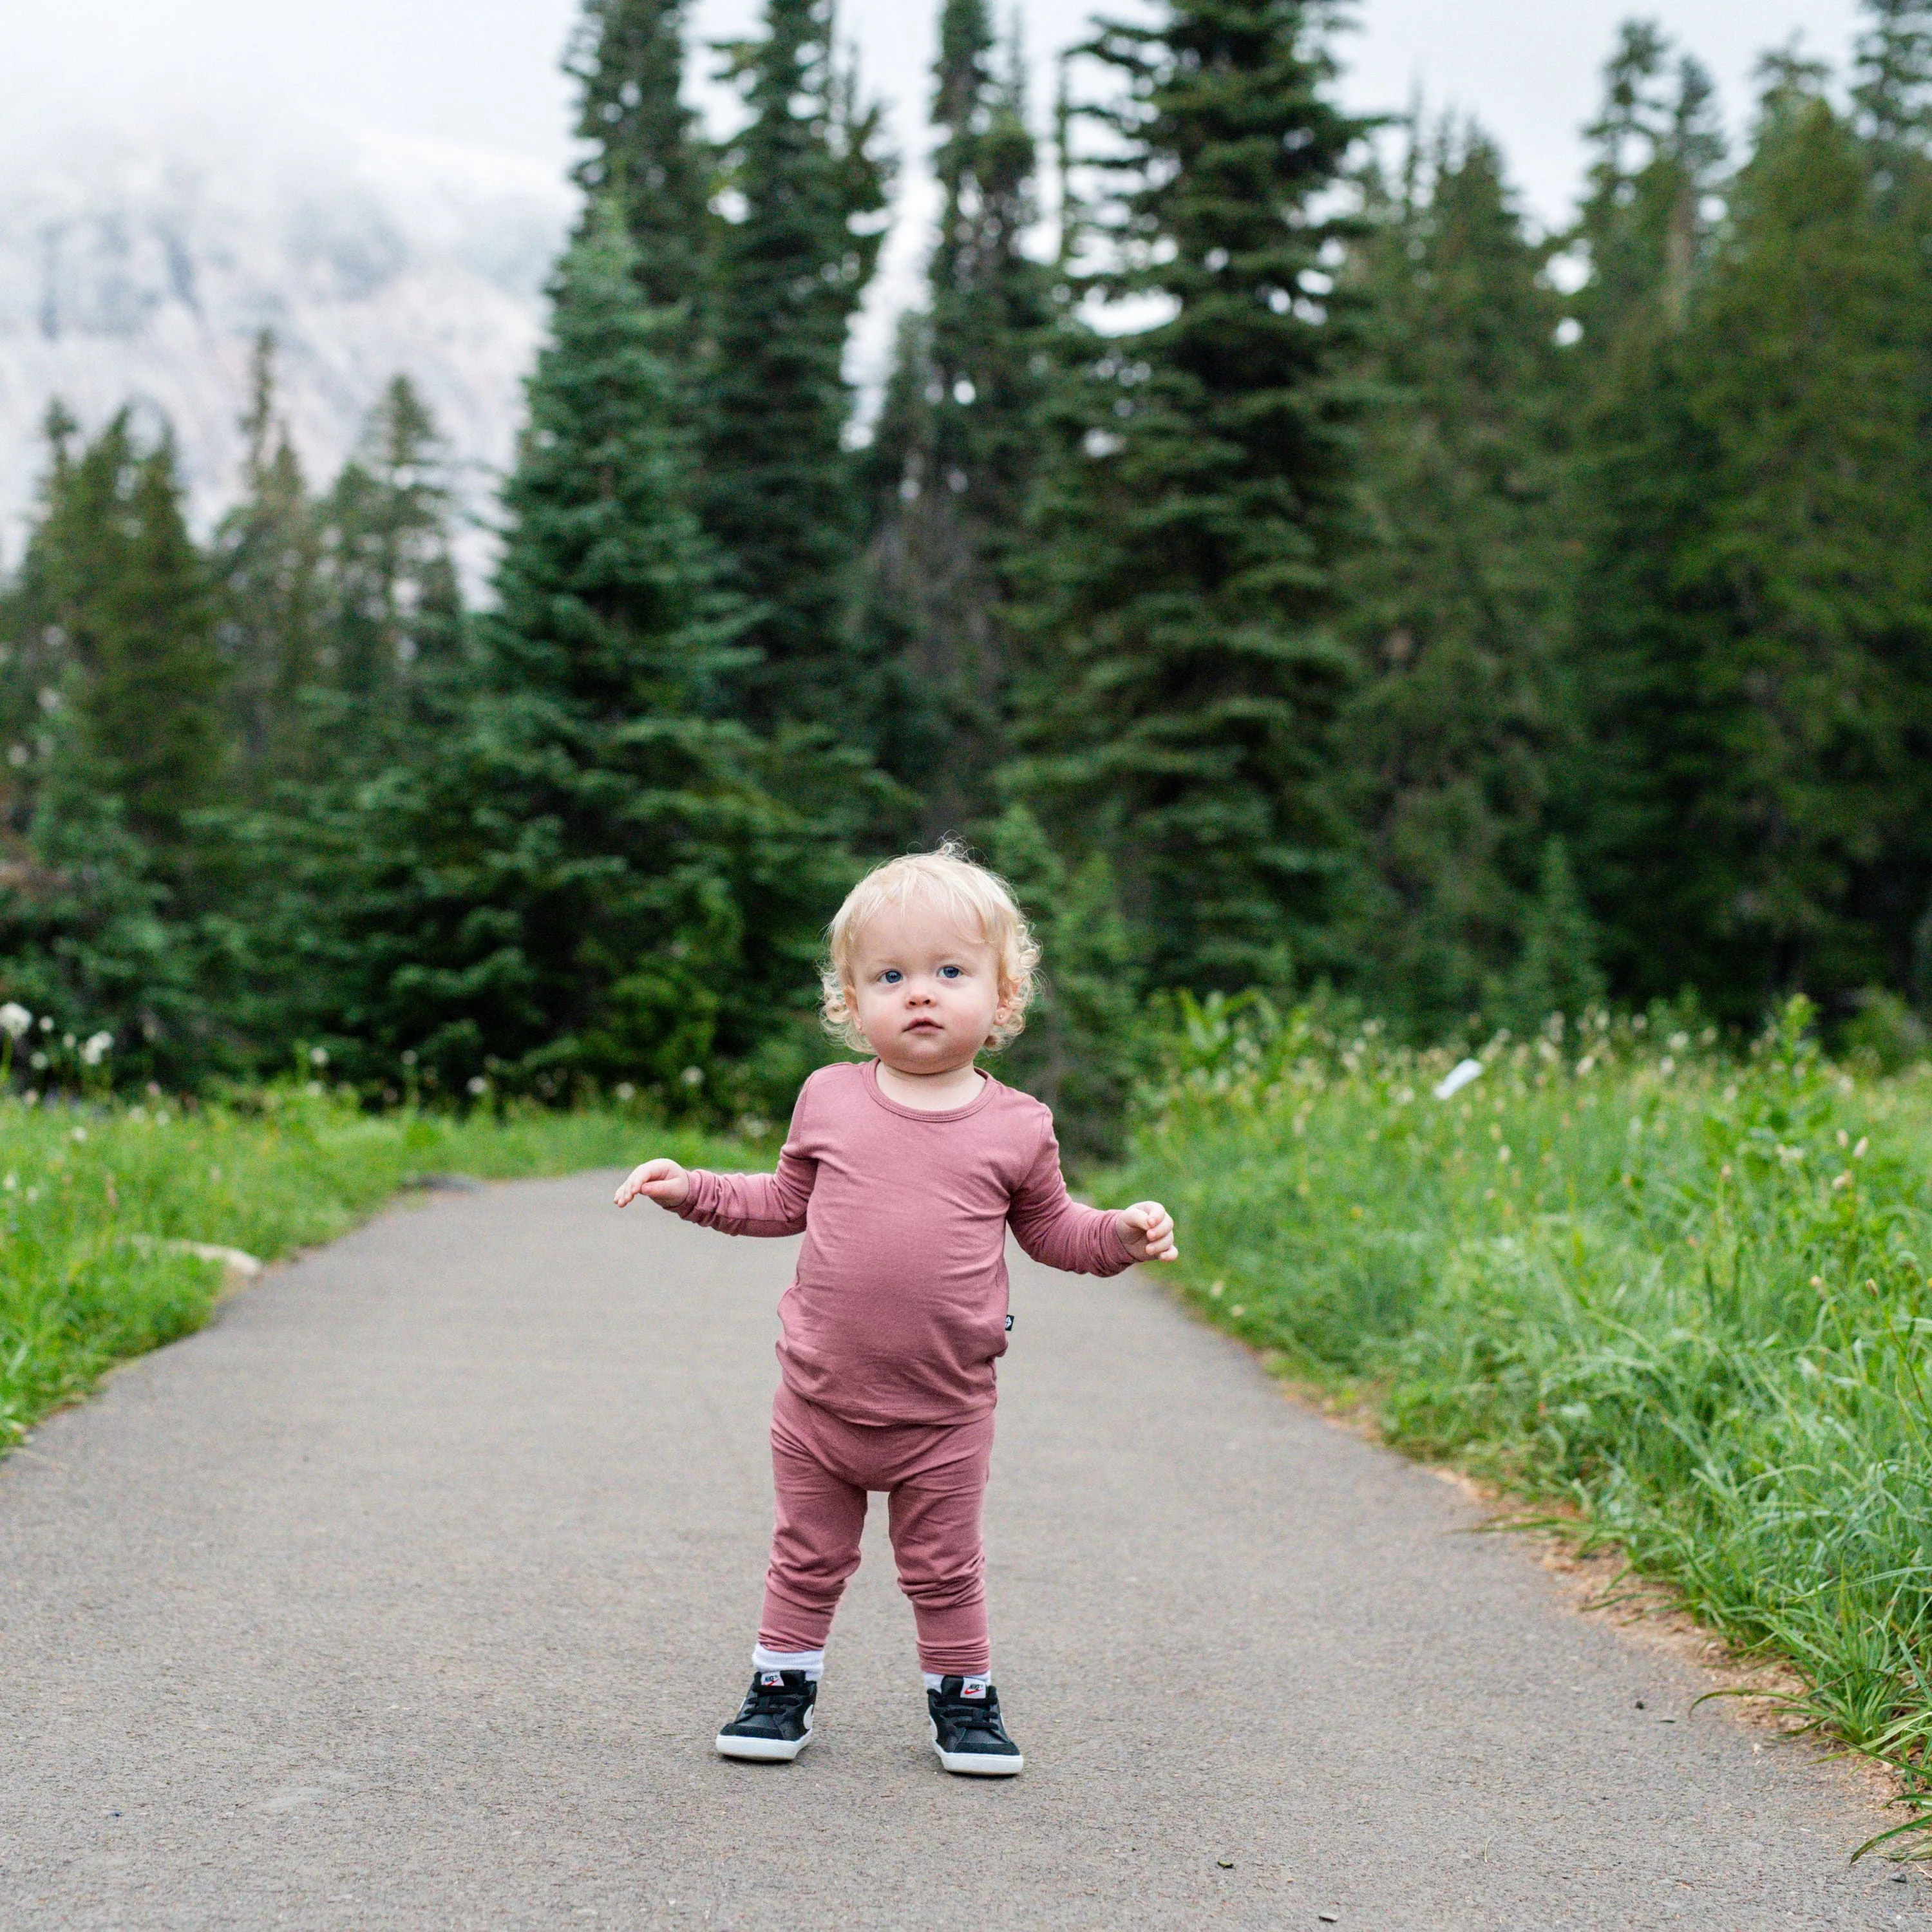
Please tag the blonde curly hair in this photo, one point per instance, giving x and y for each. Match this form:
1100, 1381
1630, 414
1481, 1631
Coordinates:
980, 900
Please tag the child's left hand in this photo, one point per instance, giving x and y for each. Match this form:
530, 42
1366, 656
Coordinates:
1147, 1228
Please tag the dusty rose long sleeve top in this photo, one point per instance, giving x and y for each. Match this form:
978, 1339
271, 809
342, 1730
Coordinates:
899, 1309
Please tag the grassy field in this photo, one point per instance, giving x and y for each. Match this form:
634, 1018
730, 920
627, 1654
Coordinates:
1687, 1294
88, 1197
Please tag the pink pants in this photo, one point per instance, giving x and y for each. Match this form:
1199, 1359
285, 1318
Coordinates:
935, 1474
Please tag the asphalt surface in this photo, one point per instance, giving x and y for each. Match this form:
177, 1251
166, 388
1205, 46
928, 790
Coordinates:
411, 1593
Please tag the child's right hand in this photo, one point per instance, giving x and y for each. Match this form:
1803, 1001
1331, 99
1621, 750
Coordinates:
665, 1181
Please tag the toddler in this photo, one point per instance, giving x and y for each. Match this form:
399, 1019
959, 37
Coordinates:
903, 1172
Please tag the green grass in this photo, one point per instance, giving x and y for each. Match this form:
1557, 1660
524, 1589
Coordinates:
287, 1170
1686, 1294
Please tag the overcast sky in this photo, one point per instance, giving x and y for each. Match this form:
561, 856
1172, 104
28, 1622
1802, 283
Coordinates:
485, 70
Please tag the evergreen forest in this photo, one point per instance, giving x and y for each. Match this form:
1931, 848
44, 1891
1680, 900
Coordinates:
1292, 566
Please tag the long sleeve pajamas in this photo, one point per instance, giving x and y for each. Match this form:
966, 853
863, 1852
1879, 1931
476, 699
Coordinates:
890, 1330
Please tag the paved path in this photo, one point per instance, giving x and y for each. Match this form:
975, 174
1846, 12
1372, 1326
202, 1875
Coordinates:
410, 1594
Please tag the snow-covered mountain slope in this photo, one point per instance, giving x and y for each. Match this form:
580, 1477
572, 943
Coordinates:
140, 269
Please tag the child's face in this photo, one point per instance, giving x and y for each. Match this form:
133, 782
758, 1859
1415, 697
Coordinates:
927, 994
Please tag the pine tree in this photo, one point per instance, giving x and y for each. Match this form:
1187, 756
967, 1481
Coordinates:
648, 153
100, 925
393, 613
1757, 608
1893, 91
131, 598
953, 457
268, 551
1179, 681
781, 498
1644, 221
588, 880
1456, 592
33, 660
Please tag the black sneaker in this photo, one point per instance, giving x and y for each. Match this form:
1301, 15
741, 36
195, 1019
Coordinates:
967, 1732
774, 1724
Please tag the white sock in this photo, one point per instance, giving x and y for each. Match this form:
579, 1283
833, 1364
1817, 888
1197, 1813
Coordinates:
811, 1662
933, 1683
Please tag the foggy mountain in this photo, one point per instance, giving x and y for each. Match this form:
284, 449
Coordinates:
140, 269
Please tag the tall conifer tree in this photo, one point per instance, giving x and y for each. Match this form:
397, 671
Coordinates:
1757, 610
648, 155
781, 492
1456, 592
267, 552
1643, 224
954, 455
588, 879
1181, 682
101, 927
393, 614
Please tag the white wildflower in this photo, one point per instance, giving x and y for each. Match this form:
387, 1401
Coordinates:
693, 1076
95, 1048
318, 1056
625, 1091
15, 1018
478, 1085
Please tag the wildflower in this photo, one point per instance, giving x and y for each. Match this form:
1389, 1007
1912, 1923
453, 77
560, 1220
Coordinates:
1458, 1077
318, 1056
80, 1134
15, 1018
478, 1085
95, 1048
1858, 1152
409, 1056
625, 1091
693, 1076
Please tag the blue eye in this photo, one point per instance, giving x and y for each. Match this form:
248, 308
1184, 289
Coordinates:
891, 975
949, 972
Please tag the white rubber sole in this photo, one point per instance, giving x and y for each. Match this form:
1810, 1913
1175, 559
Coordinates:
760, 1750
975, 1764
